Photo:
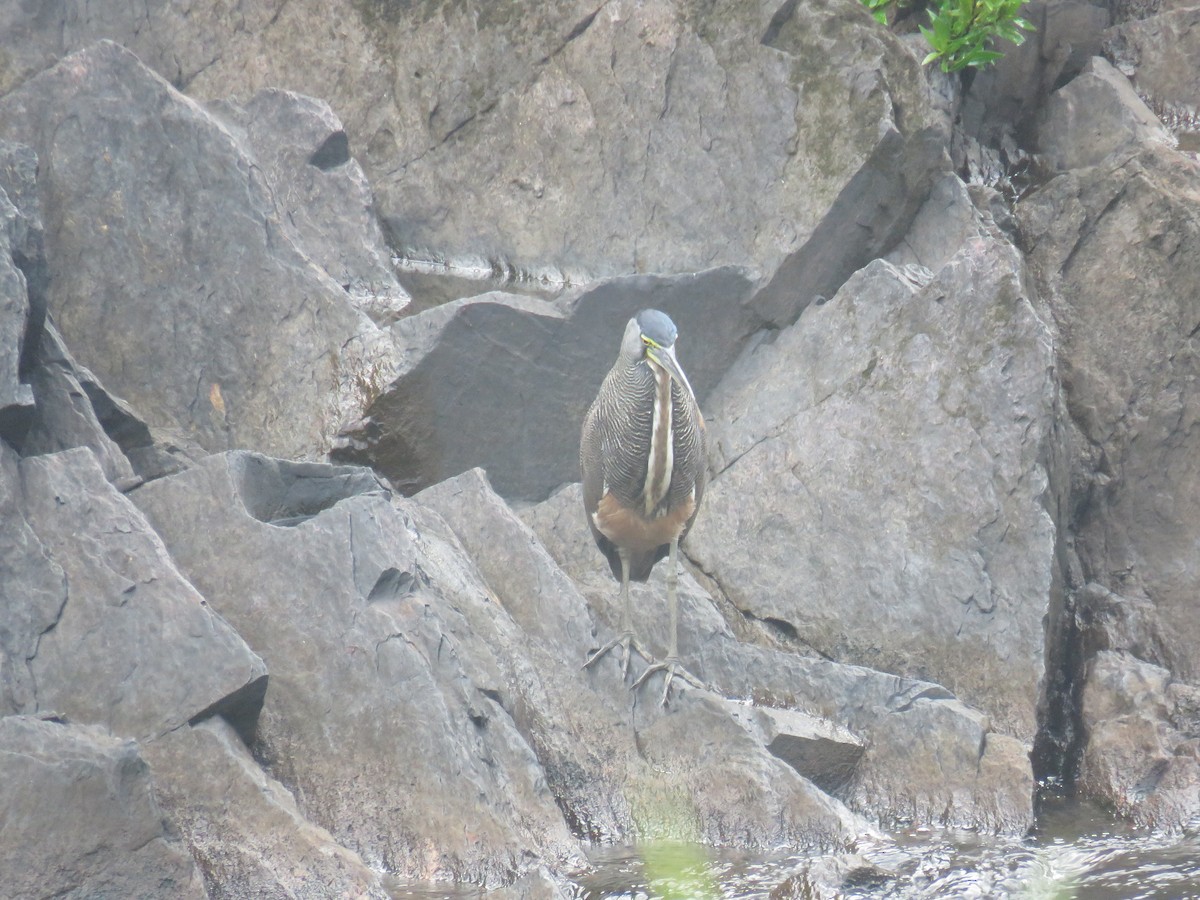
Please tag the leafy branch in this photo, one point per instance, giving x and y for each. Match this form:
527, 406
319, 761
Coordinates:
960, 32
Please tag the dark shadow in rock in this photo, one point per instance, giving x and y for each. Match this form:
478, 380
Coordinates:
240, 709
392, 584
335, 151
284, 493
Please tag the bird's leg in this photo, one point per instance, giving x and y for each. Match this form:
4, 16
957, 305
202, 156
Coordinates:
671, 665
625, 635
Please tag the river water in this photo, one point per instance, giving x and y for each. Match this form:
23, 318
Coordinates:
1076, 853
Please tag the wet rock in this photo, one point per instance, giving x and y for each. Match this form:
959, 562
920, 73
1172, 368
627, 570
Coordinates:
325, 204
166, 256
831, 877
80, 818
101, 604
929, 759
880, 483
1136, 759
384, 715
243, 827
503, 381
1094, 116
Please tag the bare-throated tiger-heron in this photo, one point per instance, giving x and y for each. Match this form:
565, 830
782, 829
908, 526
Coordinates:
643, 461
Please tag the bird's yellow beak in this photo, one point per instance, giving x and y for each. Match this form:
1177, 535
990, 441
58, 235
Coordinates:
664, 358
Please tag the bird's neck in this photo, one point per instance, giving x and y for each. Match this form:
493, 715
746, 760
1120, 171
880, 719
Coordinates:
662, 443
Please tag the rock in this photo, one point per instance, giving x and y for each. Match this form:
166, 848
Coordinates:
122, 620
384, 714
831, 877
65, 417
621, 766
821, 751
33, 592
80, 819
326, 205
880, 483
503, 381
1094, 116
1002, 99
669, 137
1158, 52
166, 256
1136, 761
243, 827
17, 314
1126, 311
928, 759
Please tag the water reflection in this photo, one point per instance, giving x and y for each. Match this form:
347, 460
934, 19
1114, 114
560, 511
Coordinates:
1076, 852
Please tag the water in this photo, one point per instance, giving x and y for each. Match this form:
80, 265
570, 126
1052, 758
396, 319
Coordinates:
1076, 853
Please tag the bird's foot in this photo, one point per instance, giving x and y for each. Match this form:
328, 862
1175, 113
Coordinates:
674, 669
626, 641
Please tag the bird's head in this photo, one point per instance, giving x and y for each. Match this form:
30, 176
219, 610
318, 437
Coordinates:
650, 337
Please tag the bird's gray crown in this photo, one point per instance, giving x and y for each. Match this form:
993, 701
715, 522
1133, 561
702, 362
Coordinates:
657, 326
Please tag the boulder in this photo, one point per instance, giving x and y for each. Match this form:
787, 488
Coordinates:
100, 603
170, 274
32, 592
384, 715
325, 204
1159, 52
1142, 751
1116, 251
928, 758
880, 482
243, 827
80, 818
503, 381
65, 417
1094, 116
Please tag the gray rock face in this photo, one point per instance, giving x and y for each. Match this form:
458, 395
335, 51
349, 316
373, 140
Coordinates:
127, 625
147, 199
325, 204
20, 233
243, 827
80, 819
881, 481
1142, 756
1094, 116
669, 137
503, 381
639, 772
1126, 312
927, 758
383, 715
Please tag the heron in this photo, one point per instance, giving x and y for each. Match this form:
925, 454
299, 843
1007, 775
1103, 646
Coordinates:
642, 456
